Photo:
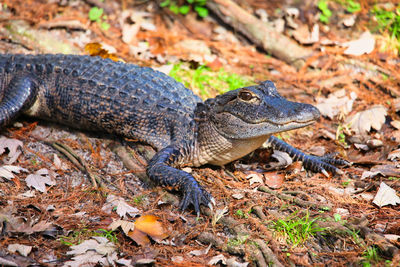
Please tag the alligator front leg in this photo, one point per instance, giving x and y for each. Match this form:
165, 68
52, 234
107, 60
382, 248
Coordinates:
161, 172
312, 163
17, 95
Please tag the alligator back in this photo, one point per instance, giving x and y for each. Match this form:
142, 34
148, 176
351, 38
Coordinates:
95, 93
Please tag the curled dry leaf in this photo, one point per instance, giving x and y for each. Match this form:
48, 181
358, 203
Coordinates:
362, 122
151, 225
386, 196
283, 159
138, 231
39, 179
14, 147
7, 171
219, 213
336, 103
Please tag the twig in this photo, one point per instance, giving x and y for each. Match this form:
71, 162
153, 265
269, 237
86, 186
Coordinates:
300, 202
79, 162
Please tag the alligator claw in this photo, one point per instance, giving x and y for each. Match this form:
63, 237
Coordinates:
195, 195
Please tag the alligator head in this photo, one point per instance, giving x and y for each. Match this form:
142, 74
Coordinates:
257, 111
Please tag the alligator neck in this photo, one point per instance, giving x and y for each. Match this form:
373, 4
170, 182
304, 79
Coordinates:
216, 149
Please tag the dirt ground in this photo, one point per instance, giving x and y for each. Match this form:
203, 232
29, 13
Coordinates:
75, 198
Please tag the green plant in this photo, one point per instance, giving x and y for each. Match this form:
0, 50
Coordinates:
138, 199
326, 13
96, 14
78, 236
371, 256
197, 5
346, 183
297, 229
337, 217
352, 6
204, 79
109, 234
241, 214
388, 20
237, 241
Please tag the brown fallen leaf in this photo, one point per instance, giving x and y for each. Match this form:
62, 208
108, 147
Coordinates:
151, 225
274, 180
138, 231
139, 237
27, 228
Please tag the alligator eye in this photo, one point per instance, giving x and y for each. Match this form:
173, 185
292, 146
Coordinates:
246, 96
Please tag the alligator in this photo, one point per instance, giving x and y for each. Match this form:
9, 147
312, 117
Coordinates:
92, 93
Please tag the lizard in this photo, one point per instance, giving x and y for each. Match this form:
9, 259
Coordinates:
92, 93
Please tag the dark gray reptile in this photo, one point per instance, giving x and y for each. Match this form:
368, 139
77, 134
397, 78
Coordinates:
141, 103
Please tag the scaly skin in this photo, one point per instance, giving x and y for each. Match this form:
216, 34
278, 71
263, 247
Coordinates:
144, 104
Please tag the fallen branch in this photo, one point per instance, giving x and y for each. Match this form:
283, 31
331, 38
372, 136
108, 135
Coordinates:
260, 33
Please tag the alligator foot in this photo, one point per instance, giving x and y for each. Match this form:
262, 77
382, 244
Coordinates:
312, 163
162, 171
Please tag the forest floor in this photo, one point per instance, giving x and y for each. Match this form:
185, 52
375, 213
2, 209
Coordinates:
77, 198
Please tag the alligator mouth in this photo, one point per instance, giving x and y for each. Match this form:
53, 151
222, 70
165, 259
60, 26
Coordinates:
281, 127
235, 127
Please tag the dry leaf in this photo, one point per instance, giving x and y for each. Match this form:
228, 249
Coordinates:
27, 228
22, 249
362, 122
304, 36
395, 154
151, 225
364, 45
237, 196
387, 170
274, 180
336, 103
386, 196
122, 208
139, 237
7, 171
219, 213
216, 259
200, 252
98, 250
98, 243
39, 179
126, 226
14, 147
283, 159
255, 178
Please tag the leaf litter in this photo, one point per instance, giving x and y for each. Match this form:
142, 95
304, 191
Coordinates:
78, 205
